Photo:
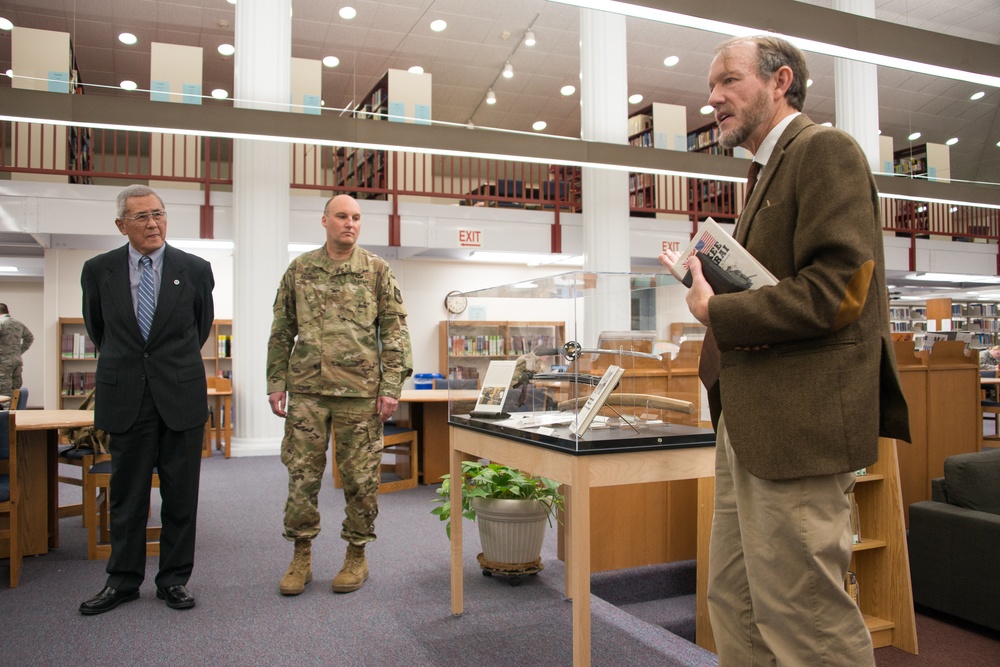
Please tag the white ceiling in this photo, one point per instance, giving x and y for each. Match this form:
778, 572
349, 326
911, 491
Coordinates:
465, 60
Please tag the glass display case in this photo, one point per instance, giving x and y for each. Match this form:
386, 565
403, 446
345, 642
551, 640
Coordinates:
610, 373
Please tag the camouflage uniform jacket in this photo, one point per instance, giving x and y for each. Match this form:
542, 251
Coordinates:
339, 328
15, 338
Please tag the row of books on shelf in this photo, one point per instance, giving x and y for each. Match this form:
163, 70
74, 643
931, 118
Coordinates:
463, 373
910, 165
79, 383
78, 346
224, 374
525, 344
907, 313
975, 310
225, 345
482, 345
707, 137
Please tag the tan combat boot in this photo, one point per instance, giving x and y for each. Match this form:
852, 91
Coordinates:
355, 571
299, 571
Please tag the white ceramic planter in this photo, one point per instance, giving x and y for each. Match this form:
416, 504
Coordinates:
511, 531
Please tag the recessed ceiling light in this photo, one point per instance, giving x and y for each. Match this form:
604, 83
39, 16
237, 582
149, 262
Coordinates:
914, 136
416, 69
508, 71
977, 96
809, 83
707, 109
491, 98
634, 98
539, 125
529, 38
5, 24
227, 49
127, 38
331, 61
998, 143
439, 25
670, 61
220, 93
128, 85
567, 90
348, 13
952, 141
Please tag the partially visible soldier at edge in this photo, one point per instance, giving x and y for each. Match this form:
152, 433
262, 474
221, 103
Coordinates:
15, 339
337, 357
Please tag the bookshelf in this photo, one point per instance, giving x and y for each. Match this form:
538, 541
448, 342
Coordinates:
982, 320
217, 352
879, 561
907, 318
77, 362
399, 96
78, 358
468, 346
661, 126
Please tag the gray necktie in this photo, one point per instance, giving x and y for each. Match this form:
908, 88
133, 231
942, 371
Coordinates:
147, 296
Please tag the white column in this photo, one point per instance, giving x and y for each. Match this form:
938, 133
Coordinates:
260, 211
856, 91
604, 117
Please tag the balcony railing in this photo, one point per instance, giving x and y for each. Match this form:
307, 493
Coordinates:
85, 155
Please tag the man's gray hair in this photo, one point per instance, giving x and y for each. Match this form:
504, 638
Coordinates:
774, 53
134, 190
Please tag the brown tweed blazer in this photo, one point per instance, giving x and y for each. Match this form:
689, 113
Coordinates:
808, 377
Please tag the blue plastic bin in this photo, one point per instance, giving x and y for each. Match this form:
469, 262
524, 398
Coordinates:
425, 380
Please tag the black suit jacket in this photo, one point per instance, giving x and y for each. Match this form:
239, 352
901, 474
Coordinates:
170, 360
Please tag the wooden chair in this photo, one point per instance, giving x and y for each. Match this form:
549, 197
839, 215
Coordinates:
16, 401
78, 457
401, 474
96, 503
223, 418
10, 493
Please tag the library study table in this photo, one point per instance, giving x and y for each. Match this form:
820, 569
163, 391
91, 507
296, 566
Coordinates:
38, 472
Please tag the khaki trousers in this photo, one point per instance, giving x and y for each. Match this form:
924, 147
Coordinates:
777, 560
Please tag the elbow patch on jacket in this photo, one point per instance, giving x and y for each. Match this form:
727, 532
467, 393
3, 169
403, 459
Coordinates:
855, 296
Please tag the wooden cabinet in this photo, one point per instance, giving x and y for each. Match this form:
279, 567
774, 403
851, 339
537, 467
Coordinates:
467, 346
78, 358
879, 561
942, 392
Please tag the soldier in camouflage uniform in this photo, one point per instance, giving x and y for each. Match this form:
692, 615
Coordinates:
338, 354
15, 339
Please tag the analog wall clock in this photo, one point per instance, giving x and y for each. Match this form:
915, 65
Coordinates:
455, 302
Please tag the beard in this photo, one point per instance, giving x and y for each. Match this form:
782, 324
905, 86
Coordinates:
754, 115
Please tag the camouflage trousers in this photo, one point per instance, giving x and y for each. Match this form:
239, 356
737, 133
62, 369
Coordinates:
357, 435
10, 377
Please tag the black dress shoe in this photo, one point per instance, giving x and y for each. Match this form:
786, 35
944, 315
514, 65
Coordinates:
106, 600
176, 596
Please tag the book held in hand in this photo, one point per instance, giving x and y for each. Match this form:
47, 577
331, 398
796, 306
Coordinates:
727, 265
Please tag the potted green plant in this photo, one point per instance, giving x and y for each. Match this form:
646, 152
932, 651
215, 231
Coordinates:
512, 509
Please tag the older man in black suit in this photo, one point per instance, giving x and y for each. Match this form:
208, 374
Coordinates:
148, 308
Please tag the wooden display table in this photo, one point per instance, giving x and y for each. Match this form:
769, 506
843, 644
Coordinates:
429, 417
580, 473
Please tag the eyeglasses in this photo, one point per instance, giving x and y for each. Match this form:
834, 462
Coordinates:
144, 218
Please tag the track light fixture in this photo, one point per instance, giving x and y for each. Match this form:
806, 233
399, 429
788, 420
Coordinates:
508, 70
491, 97
529, 38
